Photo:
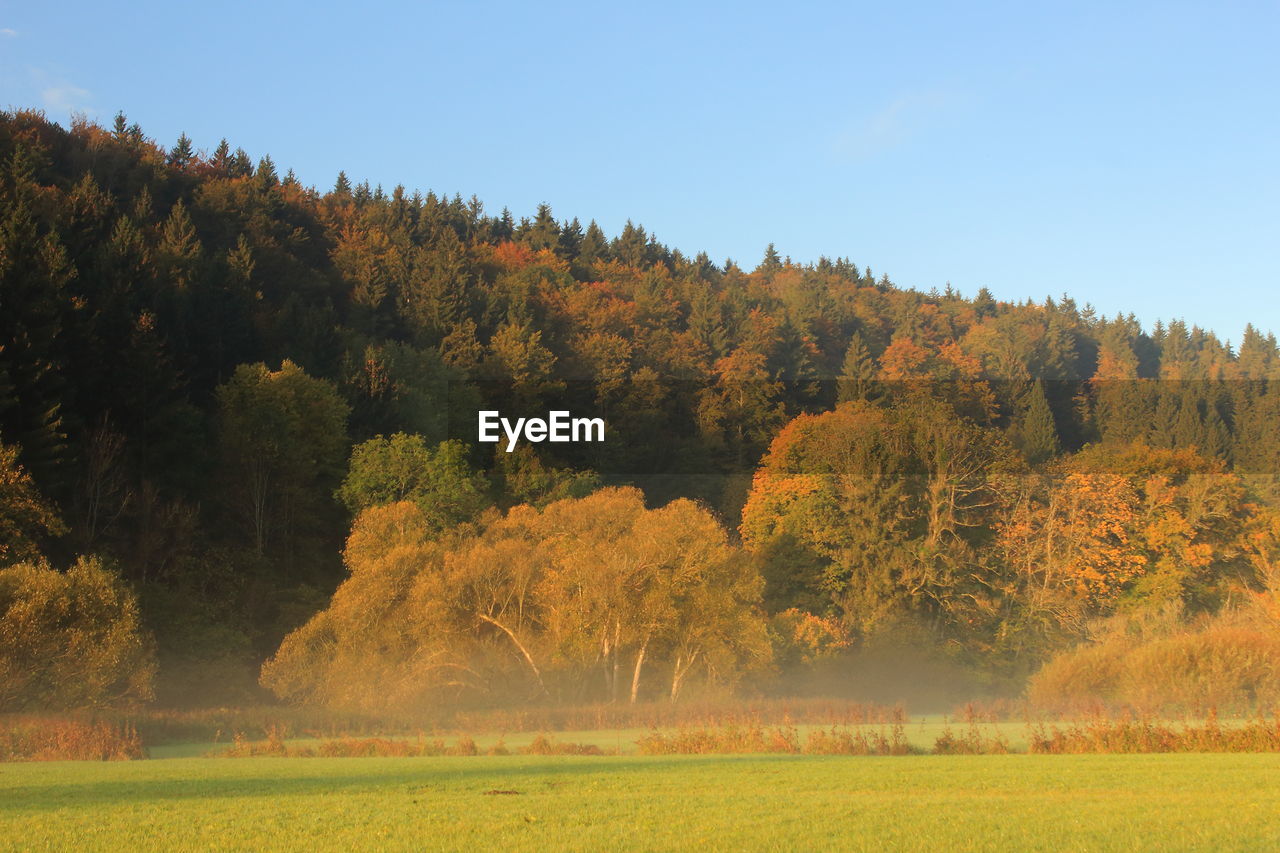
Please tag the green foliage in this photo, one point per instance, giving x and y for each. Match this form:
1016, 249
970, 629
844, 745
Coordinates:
439, 481
1039, 434
884, 508
70, 640
282, 440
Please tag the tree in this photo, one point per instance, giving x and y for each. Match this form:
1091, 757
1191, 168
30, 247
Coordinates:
1039, 432
25, 516
884, 508
181, 155
282, 441
446, 490
536, 602
858, 374
1123, 526
70, 640
771, 262
35, 273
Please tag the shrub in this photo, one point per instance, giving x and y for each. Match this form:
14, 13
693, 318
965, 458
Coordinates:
543, 745
70, 640
1220, 666
971, 741
1136, 736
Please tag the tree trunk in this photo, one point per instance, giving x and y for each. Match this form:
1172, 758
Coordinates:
523, 651
635, 676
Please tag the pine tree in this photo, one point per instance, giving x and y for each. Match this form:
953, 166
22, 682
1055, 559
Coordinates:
1188, 429
543, 232
857, 375
221, 160
594, 247
1039, 432
179, 246
771, 261
630, 246
984, 304
240, 259
241, 166
266, 173
1259, 358
34, 275
181, 155
1216, 440
570, 239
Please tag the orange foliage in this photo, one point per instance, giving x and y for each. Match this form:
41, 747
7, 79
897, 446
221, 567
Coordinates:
512, 256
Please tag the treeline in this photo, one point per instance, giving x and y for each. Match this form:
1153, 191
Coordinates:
208, 370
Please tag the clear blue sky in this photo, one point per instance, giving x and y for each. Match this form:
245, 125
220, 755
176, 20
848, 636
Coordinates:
1124, 153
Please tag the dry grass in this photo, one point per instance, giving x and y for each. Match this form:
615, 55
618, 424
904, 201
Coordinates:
1144, 736
68, 739
378, 747
217, 724
753, 737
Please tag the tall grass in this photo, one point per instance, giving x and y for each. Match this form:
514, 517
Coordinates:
1143, 736
734, 738
378, 747
68, 739
218, 724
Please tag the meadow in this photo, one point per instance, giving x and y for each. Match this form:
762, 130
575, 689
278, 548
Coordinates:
1027, 802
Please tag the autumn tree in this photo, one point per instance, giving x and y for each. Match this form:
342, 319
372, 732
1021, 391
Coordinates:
577, 600
26, 517
71, 640
888, 507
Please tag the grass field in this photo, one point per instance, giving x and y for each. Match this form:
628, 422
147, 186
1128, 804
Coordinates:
1002, 802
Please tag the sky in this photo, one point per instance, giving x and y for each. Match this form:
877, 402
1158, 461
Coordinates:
1123, 153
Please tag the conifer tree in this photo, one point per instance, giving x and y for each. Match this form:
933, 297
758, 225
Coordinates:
594, 246
221, 160
857, 375
181, 155
1039, 432
771, 261
266, 173
1188, 429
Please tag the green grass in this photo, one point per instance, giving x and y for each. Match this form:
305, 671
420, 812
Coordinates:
1019, 802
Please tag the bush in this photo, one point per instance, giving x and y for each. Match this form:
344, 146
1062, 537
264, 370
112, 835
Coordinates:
1224, 665
70, 640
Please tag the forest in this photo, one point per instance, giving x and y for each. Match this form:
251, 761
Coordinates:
239, 460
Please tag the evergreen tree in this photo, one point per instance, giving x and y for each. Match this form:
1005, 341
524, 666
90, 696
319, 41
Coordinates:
221, 160
543, 232
266, 173
1039, 432
771, 261
342, 187
594, 246
181, 155
858, 373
